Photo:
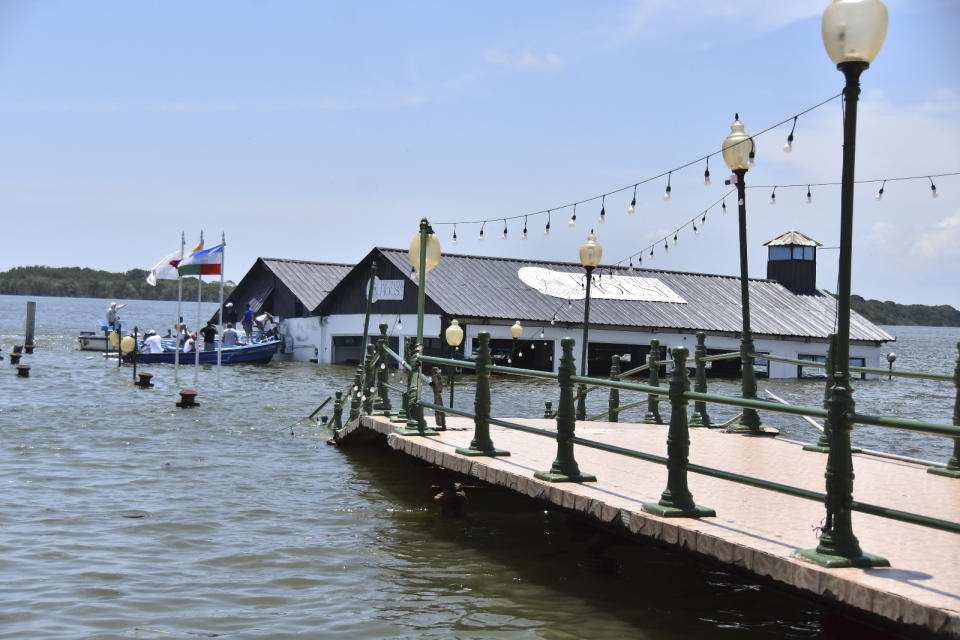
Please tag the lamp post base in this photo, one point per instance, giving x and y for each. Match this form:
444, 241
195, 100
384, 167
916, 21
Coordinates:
552, 476
761, 430
488, 453
664, 511
944, 471
830, 561
413, 431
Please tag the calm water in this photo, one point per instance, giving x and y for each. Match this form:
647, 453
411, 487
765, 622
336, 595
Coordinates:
122, 516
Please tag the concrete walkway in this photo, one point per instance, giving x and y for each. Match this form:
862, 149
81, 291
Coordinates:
754, 529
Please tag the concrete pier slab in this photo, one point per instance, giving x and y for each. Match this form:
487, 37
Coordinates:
754, 529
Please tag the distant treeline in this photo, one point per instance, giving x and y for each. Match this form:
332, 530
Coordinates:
888, 312
74, 282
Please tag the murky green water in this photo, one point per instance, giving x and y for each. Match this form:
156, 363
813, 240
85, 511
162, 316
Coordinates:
122, 516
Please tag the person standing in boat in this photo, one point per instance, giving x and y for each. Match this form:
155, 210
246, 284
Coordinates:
266, 325
151, 343
231, 337
248, 323
209, 334
229, 314
113, 315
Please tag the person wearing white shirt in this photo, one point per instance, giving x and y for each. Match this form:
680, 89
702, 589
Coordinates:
151, 343
231, 337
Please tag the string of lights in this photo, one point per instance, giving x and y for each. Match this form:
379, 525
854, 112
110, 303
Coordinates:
668, 174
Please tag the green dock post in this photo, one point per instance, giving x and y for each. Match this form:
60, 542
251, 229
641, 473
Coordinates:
369, 379
614, 404
482, 445
952, 469
383, 400
700, 417
653, 401
355, 394
823, 443
337, 422
548, 409
565, 467
416, 425
676, 501
405, 396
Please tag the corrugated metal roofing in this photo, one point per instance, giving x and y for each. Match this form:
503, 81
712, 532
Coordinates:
487, 287
792, 238
310, 282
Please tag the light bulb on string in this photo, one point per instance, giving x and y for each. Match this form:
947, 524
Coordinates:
753, 154
675, 237
666, 194
666, 247
504, 230
546, 230
809, 195
399, 324
481, 231
787, 148
879, 195
573, 218
706, 174
703, 219
630, 268
640, 261
603, 210
740, 202
933, 188
633, 203
541, 332
454, 235
696, 230
723, 207
651, 253
524, 227
773, 196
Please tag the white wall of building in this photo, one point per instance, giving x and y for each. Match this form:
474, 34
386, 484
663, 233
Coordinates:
308, 338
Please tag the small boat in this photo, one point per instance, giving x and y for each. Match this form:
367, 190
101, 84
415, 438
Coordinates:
96, 341
247, 353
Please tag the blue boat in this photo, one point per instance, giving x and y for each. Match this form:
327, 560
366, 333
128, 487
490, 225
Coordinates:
247, 353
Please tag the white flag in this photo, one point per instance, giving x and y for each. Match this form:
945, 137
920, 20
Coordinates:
166, 269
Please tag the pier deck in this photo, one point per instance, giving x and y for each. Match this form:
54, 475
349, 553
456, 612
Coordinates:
755, 529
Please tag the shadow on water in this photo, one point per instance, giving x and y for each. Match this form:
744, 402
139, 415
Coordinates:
519, 564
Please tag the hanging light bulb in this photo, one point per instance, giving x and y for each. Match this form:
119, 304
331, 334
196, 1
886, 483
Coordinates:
933, 188
753, 154
603, 211
399, 324
573, 218
454, 234
703, 219
773, 196
809, 195
541, 332
696, 230
666, 194
504, 230
481, 231
787, 148
630, 268
546, 230
633, 203
880, 192
740, 202
524, 227
706, 174
675, 238
640, 261
666, 247
723, 207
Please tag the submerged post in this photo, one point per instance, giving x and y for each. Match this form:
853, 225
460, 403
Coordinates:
31, 323
676, 501
614, 404
653, 401
482, 445
337, 422
700, 417
823, 443
565, 467
952, 469
383, 402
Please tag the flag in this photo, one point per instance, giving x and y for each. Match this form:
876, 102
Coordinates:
166, 269
199, 246
206, 262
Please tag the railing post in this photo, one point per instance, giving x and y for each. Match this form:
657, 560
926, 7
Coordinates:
653, 401
823, 443
676, 501
565, 467
548, 409
383, 401
614, 404
337, 422
405, 395
700, 417
416, 425
953, 466
355, 393
482, 445
369, 379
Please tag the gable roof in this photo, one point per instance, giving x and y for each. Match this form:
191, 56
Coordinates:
792, 238
487, 287
309, 281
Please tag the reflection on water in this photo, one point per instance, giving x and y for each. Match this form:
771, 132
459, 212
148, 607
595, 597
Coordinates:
123, 516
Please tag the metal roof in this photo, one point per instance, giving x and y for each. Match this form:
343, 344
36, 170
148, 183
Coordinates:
487, 287
792, 238
309, 281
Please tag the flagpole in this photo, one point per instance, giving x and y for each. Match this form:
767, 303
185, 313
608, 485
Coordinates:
223, 243
196, 349
176, 354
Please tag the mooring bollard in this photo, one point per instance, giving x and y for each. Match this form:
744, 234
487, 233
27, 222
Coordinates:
614, 403
18, 348
337, 422
28, 348
652, 415
547, 409
14, 358
145, 380
482, 445
700, 417
565, 467
23, 370
188, 398
952, 469
676, 501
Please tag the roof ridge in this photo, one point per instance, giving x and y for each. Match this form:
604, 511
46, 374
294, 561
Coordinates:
314, 262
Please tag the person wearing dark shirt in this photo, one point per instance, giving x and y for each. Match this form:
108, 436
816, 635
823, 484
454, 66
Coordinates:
209, 334
229, 313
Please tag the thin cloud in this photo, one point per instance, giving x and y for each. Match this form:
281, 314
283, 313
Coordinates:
176, 107
881, 233
523, 59
939, 243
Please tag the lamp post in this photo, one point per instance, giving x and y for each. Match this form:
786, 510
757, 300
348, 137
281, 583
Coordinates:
590, 254
853, 32
424, 255
739, 149
515, 332
454, 336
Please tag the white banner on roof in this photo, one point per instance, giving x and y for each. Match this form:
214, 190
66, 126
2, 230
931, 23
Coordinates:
571, 286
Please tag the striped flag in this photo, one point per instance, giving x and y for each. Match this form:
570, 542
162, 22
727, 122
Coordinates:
206, 262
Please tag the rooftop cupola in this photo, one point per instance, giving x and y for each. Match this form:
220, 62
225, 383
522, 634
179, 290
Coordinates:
792, 261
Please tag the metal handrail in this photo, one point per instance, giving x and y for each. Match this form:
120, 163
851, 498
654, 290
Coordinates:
886, 372
721, 356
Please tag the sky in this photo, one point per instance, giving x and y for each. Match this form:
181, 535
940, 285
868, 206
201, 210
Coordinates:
318, 130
